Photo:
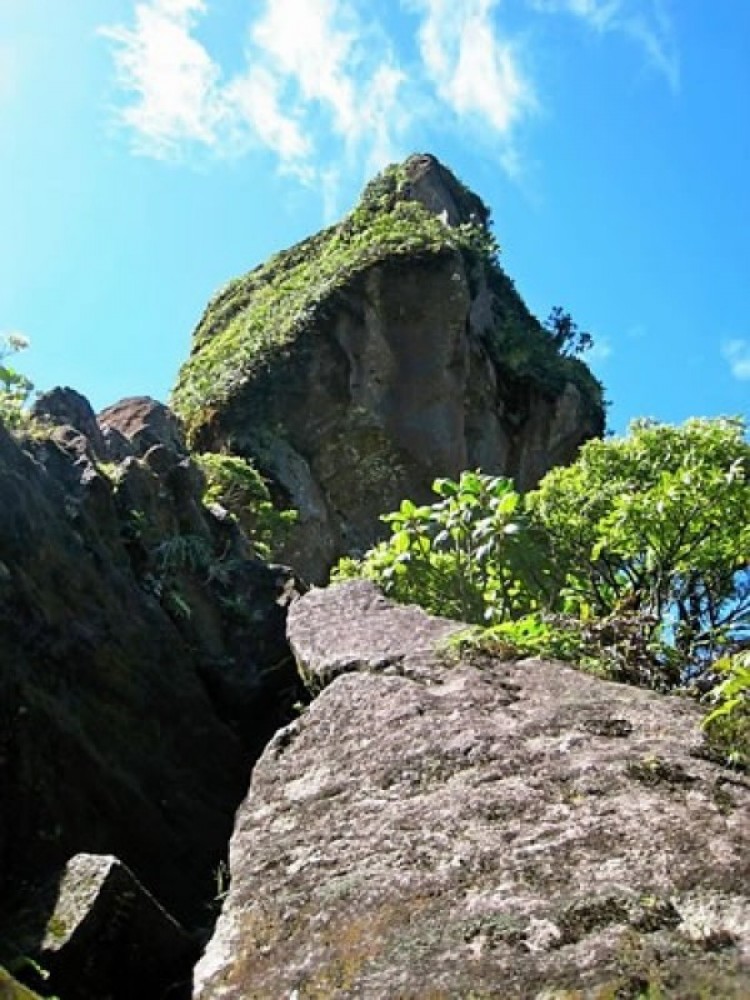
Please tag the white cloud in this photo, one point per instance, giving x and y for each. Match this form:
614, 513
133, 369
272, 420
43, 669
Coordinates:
737, 353
255, 102
309, 43
600, 351
644, 21
10, 71
320, 84
637, 331
597, 13
474, 68
173, 78
311, 78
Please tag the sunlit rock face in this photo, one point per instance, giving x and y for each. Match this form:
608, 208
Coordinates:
391, 349
433, 828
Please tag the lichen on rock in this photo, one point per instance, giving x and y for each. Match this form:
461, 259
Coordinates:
478, 829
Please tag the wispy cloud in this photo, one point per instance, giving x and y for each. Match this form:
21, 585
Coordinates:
253, 106
9, 71
174, 81
321, 82
646, 22
601, 350
324, 87
737, 353
308, 75
474, 68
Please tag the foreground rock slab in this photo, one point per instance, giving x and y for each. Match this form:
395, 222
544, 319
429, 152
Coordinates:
108, 937
486, 829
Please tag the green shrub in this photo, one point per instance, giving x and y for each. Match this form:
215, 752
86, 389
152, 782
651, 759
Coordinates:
458, 557
633, 562
237, 485
656, 524
15, 388
728, 723
533, 634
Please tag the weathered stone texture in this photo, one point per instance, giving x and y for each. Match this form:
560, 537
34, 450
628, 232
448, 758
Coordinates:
106, 936
487, 830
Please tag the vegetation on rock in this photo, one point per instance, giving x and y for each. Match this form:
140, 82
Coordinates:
15, 388
237, 485
255, 318
634, 561
728, 724
458, 557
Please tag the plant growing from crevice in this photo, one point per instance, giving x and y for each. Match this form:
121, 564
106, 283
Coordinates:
235, 484
15, 388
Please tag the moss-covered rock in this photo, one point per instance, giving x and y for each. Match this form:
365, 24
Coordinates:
382, 352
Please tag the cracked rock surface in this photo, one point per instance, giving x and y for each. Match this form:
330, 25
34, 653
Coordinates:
478, 829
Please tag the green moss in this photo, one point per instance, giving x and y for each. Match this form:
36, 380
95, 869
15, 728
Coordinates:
254, 319
524, 351
237, 485
10, 989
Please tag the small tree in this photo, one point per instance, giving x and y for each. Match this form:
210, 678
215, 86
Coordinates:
655, 523
567, 337
15, 388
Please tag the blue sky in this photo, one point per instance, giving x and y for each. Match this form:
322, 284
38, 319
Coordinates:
154, 149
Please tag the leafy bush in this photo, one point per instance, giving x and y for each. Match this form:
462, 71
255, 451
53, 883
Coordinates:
15, 388
458, 557
654, 523
237, 485
728, 723
634, 561
533, 634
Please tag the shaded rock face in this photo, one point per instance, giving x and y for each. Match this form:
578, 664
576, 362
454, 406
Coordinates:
11, 989
485, 829
404, 372
144, 661
107, 937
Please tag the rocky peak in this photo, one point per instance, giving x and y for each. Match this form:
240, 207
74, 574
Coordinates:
359, 365
433, 185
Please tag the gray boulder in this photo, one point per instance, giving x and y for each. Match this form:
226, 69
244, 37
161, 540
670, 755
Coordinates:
107, 937
479, 829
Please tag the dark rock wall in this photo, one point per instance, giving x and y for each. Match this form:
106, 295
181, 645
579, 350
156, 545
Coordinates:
132, 700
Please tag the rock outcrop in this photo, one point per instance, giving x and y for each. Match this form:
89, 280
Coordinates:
430, 828
382, 353
106, 936
144, 659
